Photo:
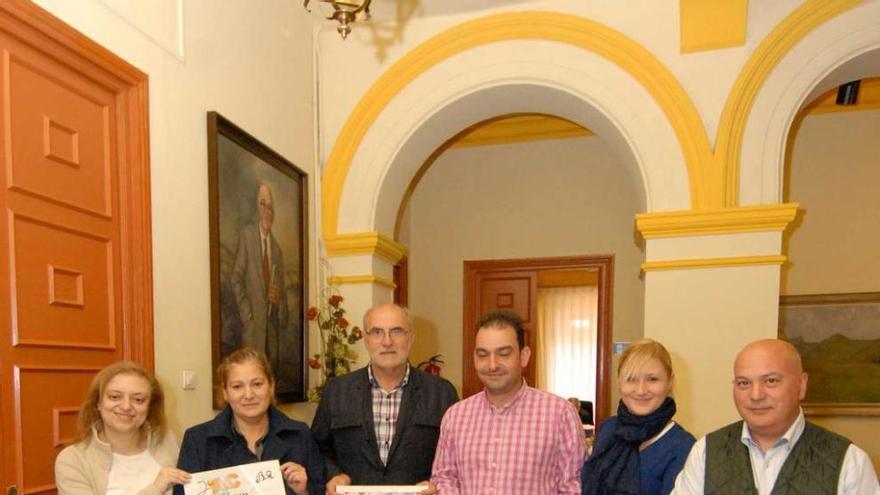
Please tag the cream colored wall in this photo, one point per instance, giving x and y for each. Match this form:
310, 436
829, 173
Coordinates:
834, 176
252, 62
537, 199
704, 316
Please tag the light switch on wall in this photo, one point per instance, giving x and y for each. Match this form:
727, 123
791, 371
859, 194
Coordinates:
189, 380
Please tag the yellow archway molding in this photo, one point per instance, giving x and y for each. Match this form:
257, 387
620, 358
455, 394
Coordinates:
546, 26
732, 126
713, 176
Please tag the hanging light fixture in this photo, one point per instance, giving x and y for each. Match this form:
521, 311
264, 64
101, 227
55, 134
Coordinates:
345, 12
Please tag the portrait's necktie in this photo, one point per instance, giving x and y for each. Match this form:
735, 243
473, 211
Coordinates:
266, 263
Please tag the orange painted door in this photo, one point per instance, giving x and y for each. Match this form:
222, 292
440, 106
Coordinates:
72, 233
515, 290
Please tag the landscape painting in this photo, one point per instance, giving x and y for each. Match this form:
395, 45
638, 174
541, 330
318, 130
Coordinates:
838, 337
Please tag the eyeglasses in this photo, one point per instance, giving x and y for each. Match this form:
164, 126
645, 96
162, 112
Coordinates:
379, 333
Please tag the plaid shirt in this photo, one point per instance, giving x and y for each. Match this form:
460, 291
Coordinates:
386, 405
532, 445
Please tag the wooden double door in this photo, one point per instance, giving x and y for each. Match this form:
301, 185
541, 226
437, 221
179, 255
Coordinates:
75, 269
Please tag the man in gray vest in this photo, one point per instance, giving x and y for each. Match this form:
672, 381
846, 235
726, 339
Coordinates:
773, 450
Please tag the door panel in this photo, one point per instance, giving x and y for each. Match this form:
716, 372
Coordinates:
48, 419
75, 287
62, 132
515, 290
55, 270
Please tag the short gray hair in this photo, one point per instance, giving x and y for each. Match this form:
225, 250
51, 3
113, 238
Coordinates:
402, 309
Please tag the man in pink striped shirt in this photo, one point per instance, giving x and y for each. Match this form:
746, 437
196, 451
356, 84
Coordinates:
510, 438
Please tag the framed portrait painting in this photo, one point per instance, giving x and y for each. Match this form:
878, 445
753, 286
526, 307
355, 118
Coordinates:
258, 214
838, 337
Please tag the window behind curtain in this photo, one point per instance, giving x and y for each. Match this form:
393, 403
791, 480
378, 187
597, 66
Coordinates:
566, 353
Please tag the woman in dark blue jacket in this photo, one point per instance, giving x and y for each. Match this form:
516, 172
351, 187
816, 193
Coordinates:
251, 429
641, 450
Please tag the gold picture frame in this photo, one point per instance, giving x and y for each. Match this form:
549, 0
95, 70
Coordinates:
246, 177
838, 336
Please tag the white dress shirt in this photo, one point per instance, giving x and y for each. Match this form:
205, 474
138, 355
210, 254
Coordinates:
857, 475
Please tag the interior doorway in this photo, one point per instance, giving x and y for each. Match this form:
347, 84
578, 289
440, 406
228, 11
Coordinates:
515, 284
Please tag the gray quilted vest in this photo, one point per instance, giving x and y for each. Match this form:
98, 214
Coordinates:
812, 468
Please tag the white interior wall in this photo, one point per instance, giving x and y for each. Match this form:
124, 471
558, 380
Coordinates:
250, 61
834, 175
704, 316
841, 49
537, 199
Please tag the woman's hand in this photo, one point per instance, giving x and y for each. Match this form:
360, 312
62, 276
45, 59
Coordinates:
295, 476
168, 477
430, 489
340, 479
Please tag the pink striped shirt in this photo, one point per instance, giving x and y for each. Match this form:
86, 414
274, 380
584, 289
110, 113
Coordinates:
532, 445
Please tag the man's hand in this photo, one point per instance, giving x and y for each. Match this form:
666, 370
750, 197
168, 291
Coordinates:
430, 489
295, 476
341, 479
274, 297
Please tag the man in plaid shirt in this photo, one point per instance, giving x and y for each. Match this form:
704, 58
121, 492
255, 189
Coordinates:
379, 425
510, 438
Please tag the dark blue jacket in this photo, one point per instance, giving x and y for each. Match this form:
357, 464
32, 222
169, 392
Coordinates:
215, 444
343, 427
659, 463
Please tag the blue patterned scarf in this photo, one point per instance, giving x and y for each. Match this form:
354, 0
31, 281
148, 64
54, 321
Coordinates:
614, 469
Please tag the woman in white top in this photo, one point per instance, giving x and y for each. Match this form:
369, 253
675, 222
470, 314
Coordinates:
123, 446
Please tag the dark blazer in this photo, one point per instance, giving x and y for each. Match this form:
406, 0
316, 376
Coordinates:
343, 428
215, 444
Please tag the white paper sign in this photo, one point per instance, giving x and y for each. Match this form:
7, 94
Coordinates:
375, 490
258, 478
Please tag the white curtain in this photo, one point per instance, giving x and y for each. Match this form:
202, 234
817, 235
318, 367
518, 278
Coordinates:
566, 354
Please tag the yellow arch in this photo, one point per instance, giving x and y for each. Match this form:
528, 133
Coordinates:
713, 174
548, 26
766, 57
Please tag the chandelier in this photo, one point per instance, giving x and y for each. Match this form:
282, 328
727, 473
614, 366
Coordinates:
345, 12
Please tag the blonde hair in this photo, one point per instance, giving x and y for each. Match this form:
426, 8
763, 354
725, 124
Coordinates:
90, 417
638, 354
242, 356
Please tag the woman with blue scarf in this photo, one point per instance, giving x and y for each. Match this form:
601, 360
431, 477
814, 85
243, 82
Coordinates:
641, 450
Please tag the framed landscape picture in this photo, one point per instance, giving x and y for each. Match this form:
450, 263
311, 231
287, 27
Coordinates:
838, 337
257, 214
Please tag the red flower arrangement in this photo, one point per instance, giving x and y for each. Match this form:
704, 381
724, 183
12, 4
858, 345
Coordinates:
336, 356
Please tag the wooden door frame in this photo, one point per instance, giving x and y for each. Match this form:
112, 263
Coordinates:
603, 264
401, 282
37, 28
